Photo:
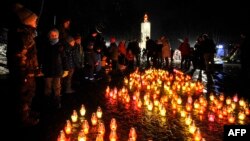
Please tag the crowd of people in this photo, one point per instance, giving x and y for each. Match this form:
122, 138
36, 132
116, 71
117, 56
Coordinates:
60, 54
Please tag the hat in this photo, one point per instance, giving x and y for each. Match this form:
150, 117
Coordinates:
69, 39
25, 15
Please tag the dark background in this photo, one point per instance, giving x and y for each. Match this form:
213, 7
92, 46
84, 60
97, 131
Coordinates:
223, 20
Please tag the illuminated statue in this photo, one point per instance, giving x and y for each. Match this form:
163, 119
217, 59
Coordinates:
145, 31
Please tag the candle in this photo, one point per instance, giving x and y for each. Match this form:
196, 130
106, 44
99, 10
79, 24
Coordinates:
235, 98
101, 128
163, 111
68, 127
82, 136
192, 128
74, 116
179, 100
183, 113
99, 137
197, 135
85, 127
156, 102
188, 120
112, 135
150, 106
231, 118
132, 133
242, 103
211, 97
82, 110
189, 99
196, 104
228, 100
113, 124
241, 115
188, 107
61, 136
222, 97
139, 103
211, 116
94, 119
99, 112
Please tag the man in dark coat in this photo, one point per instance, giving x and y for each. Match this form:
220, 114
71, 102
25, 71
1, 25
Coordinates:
22, 64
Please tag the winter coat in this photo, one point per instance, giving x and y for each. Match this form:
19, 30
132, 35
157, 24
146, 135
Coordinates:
53, 64
22, 52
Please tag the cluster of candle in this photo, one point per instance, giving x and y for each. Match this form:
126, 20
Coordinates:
159, 89
231, 109
79, 123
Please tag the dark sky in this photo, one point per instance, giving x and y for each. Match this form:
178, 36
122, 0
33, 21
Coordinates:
173, 18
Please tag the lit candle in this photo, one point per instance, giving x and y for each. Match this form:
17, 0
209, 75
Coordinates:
183, 113
231, 118
101, 128
201, 110
201, 99
188, 107
220, 114
61, 136
192, 128
126, 80
99, 112
150, 106
222, 97
235, 98
163, 111
241, 115
74, 116
82, 136
85, 127
82, 110
211, 97
68, 127
156, 102
196, 104
242, 103
247, 112
189, 99
115, 90
179, 100
113, 135
233, 105
107, 89
228, 100
94, 119
219, 105
139, 103
188, 120
132, 133
127, 99
211, 116
99, 137
113, 124
197, 135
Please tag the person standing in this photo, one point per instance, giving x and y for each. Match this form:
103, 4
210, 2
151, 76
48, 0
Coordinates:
23, 64
53, 67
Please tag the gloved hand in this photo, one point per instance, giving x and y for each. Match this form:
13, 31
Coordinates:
65, 74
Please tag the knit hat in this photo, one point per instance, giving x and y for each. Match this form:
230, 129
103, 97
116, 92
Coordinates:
70, 39
25, 15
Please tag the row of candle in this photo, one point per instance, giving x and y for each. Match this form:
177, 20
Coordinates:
66, 133
152, 80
